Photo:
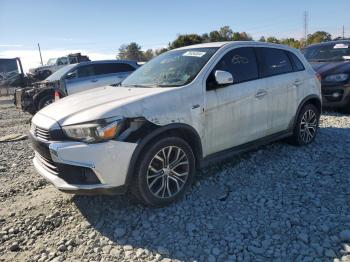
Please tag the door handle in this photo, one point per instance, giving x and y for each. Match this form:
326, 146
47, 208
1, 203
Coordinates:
261, 93
94, 80
297, 82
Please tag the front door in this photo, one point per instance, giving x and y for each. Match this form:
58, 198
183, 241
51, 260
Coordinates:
237, 113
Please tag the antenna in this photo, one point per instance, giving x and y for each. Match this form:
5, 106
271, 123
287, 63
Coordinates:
41, 59
343, 32
306, 21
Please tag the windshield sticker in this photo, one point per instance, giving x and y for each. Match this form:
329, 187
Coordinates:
194, 53
340, 46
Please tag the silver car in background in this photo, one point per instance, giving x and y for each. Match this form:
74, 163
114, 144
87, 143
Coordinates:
72, 79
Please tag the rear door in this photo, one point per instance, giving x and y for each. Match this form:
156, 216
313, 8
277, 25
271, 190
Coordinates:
281, 87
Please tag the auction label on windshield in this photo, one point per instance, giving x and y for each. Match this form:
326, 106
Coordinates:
340, 46
194, 53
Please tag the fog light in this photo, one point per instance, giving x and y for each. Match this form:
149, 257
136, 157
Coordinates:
336, 94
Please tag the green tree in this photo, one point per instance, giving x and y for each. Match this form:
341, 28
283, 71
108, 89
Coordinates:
148, 55
291, 42
272, 39
160, 51
214, 36
185, 40
225, 33
318, 37
262, 39
130, 51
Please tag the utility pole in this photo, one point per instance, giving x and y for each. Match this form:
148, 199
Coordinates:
343, 32
41, 59
306, 18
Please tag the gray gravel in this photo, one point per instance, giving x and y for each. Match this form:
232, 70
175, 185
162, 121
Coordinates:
278, 203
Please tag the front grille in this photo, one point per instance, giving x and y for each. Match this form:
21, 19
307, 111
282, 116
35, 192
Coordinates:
41, 132
48, 164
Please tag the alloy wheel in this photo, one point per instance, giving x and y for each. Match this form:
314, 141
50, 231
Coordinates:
168, 172
308, 126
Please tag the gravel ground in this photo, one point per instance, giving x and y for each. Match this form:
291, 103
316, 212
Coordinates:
278, 203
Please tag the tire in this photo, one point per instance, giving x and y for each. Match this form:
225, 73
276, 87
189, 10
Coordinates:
46, 100
156, 184
306, 127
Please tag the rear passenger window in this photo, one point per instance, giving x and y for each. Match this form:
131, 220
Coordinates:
273, 61
240, 62
112, 68
297, 64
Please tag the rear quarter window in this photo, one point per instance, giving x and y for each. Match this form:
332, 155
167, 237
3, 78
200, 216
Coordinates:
273, 61
297, 64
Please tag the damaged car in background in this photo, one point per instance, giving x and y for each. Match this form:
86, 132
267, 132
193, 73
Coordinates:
331, 60
180, 111
72, 79
54, 64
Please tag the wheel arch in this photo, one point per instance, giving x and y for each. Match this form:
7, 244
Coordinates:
47, 91
184, 131
310, 99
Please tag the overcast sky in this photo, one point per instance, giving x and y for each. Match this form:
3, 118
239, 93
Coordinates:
98, 28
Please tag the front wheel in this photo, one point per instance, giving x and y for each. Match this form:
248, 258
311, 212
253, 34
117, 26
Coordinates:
165, 172
45, 101
306, 126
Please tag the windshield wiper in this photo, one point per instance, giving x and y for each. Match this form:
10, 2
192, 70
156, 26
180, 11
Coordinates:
145, 86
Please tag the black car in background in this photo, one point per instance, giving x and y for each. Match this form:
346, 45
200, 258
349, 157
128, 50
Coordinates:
331, 60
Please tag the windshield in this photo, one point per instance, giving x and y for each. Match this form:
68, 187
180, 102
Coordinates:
59, 73
51, 61
328, 52
173, 68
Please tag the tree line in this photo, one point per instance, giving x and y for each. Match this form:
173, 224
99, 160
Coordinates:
133, 50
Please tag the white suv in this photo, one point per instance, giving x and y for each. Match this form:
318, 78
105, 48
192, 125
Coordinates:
178, 112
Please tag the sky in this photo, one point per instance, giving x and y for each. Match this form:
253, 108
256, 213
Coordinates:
98, 28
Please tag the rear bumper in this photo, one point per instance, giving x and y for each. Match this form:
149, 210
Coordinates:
336, 96
80, 168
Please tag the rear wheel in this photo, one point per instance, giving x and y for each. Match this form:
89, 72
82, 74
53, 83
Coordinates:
306, 126
165, 172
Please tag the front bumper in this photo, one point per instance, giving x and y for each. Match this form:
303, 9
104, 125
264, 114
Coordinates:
81, 168
336, 96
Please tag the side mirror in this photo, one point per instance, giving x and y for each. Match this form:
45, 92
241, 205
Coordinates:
71, 75
223, 77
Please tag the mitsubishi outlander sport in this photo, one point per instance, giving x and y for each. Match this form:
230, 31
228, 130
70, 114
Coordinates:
183, 109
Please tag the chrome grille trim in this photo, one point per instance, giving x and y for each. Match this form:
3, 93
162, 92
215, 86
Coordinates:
41, 133
48, 164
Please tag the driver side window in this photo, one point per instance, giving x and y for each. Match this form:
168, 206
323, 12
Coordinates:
240, 62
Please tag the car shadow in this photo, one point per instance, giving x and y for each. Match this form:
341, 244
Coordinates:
253, 207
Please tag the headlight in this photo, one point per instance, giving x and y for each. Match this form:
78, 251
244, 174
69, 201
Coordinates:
95, 131
337, 78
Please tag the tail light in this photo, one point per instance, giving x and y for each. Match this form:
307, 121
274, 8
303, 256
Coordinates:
319, 77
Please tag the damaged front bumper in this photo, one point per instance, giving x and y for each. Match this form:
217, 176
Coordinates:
24, 99
76, 167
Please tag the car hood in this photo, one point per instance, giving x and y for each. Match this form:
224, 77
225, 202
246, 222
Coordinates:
327, 68
100, 103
